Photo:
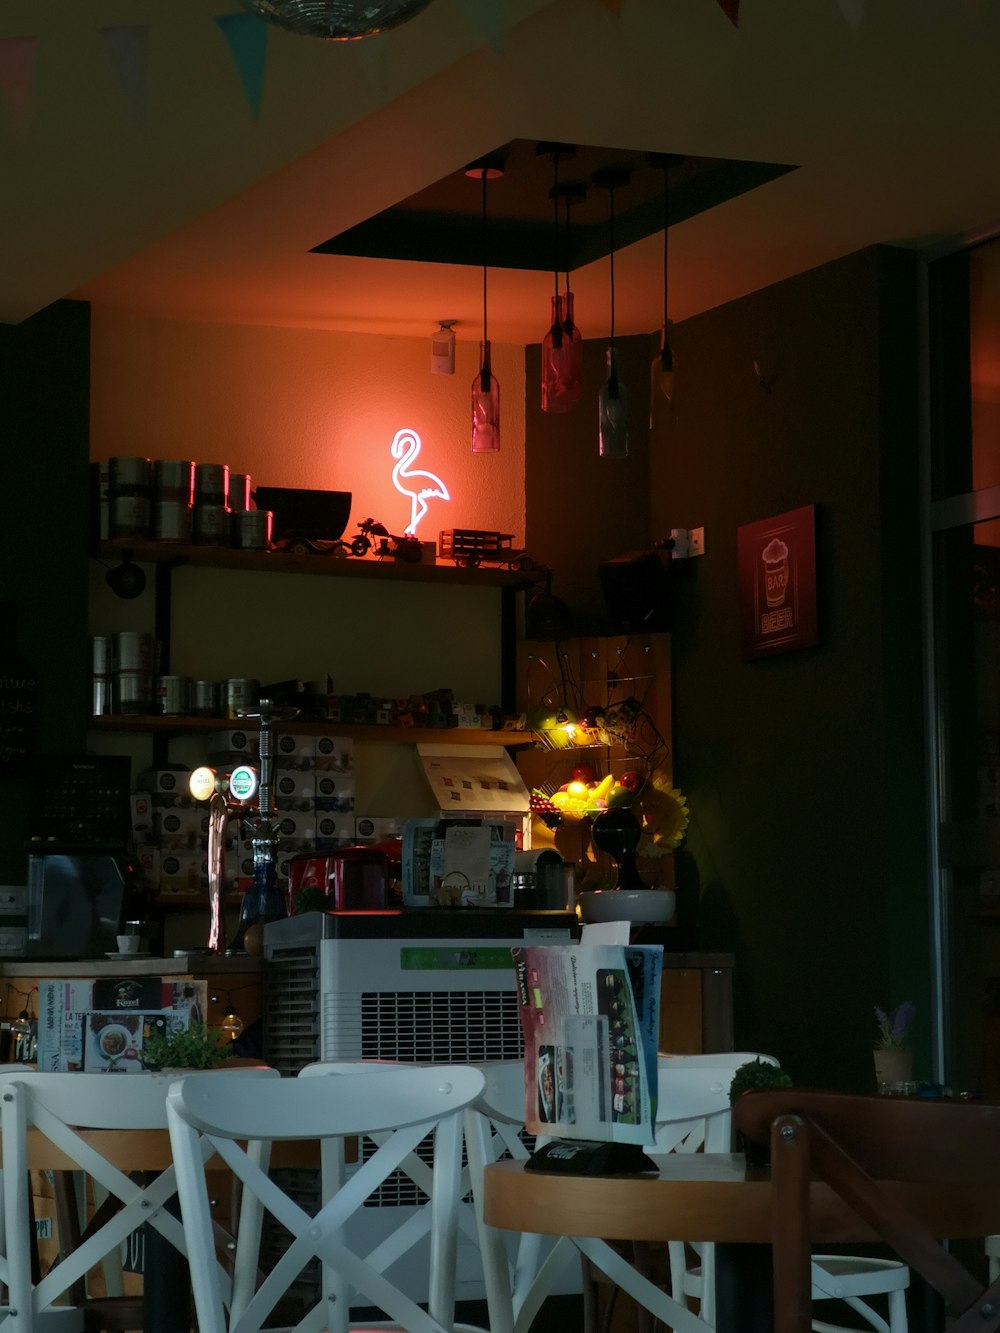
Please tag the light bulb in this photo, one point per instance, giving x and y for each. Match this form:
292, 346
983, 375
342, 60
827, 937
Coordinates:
232, 1025
22, 1023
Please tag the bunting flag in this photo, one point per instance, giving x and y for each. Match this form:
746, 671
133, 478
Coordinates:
127, 49
246, 35
731, 9
853, 11
487, 19
17, 75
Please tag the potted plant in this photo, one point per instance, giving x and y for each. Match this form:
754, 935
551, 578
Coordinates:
196, 1047
893, 1056
755, 1076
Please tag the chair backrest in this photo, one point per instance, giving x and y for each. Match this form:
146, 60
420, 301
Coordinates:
397, 1106
41, 1116
858, 1145
693, 1110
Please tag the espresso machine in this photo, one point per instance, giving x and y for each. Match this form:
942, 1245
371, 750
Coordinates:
83, 884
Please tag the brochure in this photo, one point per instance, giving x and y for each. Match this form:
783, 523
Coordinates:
590, 1020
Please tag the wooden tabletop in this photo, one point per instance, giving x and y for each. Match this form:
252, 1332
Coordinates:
707, 1197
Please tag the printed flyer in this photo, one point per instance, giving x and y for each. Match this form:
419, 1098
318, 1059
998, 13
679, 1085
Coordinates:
590, 1020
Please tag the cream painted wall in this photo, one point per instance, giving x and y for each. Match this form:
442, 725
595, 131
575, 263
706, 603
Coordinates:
308, 408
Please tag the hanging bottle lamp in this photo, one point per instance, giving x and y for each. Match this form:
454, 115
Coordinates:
662, 379
572, 194
613, 401
562, 360
485, 387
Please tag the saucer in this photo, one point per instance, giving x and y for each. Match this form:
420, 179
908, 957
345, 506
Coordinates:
125, 957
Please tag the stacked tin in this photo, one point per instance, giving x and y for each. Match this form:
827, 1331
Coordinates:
131, 658
173, 505
212, 515
129, 498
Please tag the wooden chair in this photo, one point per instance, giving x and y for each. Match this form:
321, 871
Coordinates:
857, 1145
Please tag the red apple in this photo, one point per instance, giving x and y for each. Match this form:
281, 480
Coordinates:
631, 781
584, 773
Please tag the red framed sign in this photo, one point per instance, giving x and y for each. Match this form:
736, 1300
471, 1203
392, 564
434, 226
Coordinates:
777, 571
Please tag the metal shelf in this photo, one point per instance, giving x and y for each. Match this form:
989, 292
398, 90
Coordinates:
160, 725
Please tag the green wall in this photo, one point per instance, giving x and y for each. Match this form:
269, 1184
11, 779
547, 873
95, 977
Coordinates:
45, 394
805, 772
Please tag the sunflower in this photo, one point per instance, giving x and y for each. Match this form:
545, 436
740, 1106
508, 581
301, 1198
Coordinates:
665, 817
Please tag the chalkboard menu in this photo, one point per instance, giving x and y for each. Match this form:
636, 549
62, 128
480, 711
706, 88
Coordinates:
18, 698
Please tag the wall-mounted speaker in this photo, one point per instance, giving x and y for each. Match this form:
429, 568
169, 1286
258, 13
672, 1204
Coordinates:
636, 591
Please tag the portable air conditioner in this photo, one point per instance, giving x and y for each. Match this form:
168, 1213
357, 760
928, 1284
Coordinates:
429, 985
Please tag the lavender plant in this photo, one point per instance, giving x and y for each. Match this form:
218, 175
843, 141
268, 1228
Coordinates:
894, 1026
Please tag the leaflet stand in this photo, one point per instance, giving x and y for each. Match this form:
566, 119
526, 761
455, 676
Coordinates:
586, 1158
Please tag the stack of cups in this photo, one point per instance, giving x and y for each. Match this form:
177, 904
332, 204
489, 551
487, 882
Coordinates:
173, 489
251, 526
129, 498
212, 515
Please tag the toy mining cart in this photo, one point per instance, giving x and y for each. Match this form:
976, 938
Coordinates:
471, 547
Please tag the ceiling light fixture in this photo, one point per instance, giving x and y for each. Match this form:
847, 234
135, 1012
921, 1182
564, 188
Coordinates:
663, 362
336, 20
485, 387
562, 350
613, 402
443, 348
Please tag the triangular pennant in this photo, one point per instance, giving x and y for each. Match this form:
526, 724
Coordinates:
246, 35
731, 9
853, 11
487, 19
17, 72
127, 48
372, 52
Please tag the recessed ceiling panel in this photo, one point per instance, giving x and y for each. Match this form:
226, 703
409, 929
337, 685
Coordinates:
443, 223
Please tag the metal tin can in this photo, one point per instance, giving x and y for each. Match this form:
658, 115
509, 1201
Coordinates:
212, 524
239, 491
129, 476
173, 479
211, 484
172, 521
100, 654
173, 695
132, 650
241, 692
132, 692
205, 696
253, 529
101, 695
128, 516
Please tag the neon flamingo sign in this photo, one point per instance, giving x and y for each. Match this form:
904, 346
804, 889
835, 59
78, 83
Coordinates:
420, 486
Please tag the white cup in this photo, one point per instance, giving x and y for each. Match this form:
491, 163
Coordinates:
128, 943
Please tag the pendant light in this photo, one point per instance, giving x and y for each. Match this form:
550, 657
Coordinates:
572, 194
662, 379
561, 368
613, 401
336, 20
485, 388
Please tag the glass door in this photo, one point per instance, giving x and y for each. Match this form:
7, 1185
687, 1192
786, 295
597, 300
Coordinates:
964, 520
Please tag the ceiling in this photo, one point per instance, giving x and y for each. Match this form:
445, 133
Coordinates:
183, 197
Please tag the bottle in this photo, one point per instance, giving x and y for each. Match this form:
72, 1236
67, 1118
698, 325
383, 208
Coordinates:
18, 698
262, 902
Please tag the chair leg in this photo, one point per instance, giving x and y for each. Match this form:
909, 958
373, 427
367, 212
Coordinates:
790, 1236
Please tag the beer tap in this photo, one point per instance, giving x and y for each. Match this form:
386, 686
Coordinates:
228, 795
262, 902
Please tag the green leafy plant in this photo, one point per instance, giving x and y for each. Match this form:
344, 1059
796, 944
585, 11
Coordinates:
312, 899
196, 1047
757, 1074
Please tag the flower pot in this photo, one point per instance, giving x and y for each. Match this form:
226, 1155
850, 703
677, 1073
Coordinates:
892, 1067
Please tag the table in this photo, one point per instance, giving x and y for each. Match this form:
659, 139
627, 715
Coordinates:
712, 1197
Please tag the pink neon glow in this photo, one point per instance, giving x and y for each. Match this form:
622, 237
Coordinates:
419, 486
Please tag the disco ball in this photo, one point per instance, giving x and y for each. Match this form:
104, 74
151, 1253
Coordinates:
336, 20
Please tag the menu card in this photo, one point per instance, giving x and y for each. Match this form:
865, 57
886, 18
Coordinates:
590, 1020
100, 1026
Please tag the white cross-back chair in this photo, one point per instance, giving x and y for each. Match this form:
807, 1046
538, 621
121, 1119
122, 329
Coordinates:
61, 1108
398, 1107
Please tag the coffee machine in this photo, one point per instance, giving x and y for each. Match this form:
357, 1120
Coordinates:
82, 881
